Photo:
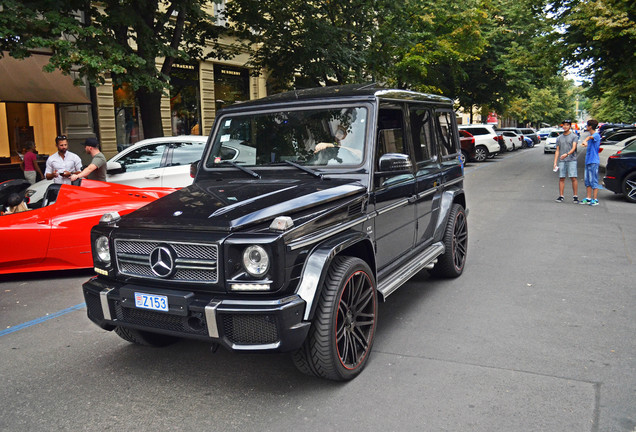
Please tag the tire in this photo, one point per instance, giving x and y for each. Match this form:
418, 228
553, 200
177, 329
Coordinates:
341, 335
629, 187
140, 337
464, 157
481, 153
451, 263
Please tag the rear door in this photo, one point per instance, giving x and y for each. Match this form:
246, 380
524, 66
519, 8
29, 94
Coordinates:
429, 170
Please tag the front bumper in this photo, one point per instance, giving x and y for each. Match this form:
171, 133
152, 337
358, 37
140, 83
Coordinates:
240, 325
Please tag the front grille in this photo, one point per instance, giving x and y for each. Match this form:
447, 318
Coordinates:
193, 262
163, 321
250, 329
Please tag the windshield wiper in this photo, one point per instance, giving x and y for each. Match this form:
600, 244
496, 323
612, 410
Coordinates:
304, 168
242, 168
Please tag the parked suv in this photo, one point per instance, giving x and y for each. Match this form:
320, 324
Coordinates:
486, 140
352, 191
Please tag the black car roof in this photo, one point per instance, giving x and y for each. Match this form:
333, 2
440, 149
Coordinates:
369, 91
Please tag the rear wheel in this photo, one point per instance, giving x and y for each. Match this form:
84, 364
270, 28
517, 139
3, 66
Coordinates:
451, 263
629, 187
140, 337
481, 153
341, 336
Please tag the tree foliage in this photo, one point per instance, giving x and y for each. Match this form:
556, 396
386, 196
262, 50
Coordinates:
123, 38
601, 36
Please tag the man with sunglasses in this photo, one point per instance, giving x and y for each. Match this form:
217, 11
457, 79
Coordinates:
62, 164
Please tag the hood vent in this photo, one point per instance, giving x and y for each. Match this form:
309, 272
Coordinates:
355, 209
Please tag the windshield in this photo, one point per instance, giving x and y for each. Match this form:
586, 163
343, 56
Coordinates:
555, 134
316, 137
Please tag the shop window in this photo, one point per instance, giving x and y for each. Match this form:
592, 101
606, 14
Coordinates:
231, 84
185, 100
127, 117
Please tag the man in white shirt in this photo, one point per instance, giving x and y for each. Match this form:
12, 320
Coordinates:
62, 164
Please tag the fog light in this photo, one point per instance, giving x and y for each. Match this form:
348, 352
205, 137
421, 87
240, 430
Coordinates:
249, 287
100, 271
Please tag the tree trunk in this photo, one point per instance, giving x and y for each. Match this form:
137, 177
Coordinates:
150, 110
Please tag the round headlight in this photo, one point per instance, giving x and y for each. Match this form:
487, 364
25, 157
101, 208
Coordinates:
102, 249
256, 260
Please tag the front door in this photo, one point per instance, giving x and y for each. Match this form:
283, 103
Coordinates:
393, 194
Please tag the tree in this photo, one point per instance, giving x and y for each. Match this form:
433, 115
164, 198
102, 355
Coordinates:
324, 42
123, 38
597, 36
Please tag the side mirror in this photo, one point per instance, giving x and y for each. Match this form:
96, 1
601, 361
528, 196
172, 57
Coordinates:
115, 168
194, 167
393, 162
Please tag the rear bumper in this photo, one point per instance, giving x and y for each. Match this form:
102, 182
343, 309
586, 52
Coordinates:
613, 184
273, 325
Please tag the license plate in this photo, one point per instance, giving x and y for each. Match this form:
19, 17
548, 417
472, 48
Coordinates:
151, 301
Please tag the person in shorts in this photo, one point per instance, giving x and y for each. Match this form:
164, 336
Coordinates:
592, 143
565, 160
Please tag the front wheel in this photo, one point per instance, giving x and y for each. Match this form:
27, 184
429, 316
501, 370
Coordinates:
629, 187
464, 157
451, 263
341, 336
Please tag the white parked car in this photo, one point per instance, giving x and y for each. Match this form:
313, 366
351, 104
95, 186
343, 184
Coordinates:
486, 140
159, 162
550, 143
606, 150
512, 140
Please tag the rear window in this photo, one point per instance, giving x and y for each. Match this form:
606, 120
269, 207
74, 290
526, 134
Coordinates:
527, 131
479, 131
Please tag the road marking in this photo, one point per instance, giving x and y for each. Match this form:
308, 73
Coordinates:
41, 319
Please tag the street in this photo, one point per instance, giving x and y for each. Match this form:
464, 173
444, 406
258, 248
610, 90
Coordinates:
536, 335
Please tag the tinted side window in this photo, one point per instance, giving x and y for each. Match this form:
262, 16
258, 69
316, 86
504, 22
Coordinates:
421, 128
146, 157
186, 153
446, 141
390, 132
478, 131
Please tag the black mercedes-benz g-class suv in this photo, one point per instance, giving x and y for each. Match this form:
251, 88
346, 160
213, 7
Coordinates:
306, 208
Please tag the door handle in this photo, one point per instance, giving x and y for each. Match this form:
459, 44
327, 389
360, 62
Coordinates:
42, 222
152, 176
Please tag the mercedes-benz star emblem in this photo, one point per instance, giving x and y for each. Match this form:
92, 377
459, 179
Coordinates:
161, 261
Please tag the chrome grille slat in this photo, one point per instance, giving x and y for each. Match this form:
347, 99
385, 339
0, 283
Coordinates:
194, 262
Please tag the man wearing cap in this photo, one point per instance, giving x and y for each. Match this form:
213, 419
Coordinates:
96, 170
565, 160
63, 163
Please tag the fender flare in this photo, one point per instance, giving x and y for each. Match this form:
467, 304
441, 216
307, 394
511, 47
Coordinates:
317, 264
449, 197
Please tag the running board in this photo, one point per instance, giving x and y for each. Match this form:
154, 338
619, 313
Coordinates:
406, 272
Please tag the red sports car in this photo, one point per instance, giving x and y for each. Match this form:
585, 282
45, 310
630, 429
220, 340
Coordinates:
56, 235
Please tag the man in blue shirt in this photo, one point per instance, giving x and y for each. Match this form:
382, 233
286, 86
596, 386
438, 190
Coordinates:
592, 143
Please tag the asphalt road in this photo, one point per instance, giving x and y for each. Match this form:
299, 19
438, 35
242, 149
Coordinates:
537, 335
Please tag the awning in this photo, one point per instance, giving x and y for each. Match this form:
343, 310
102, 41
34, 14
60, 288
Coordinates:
25, 81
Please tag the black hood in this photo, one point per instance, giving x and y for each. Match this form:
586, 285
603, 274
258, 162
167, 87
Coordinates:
236, 204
